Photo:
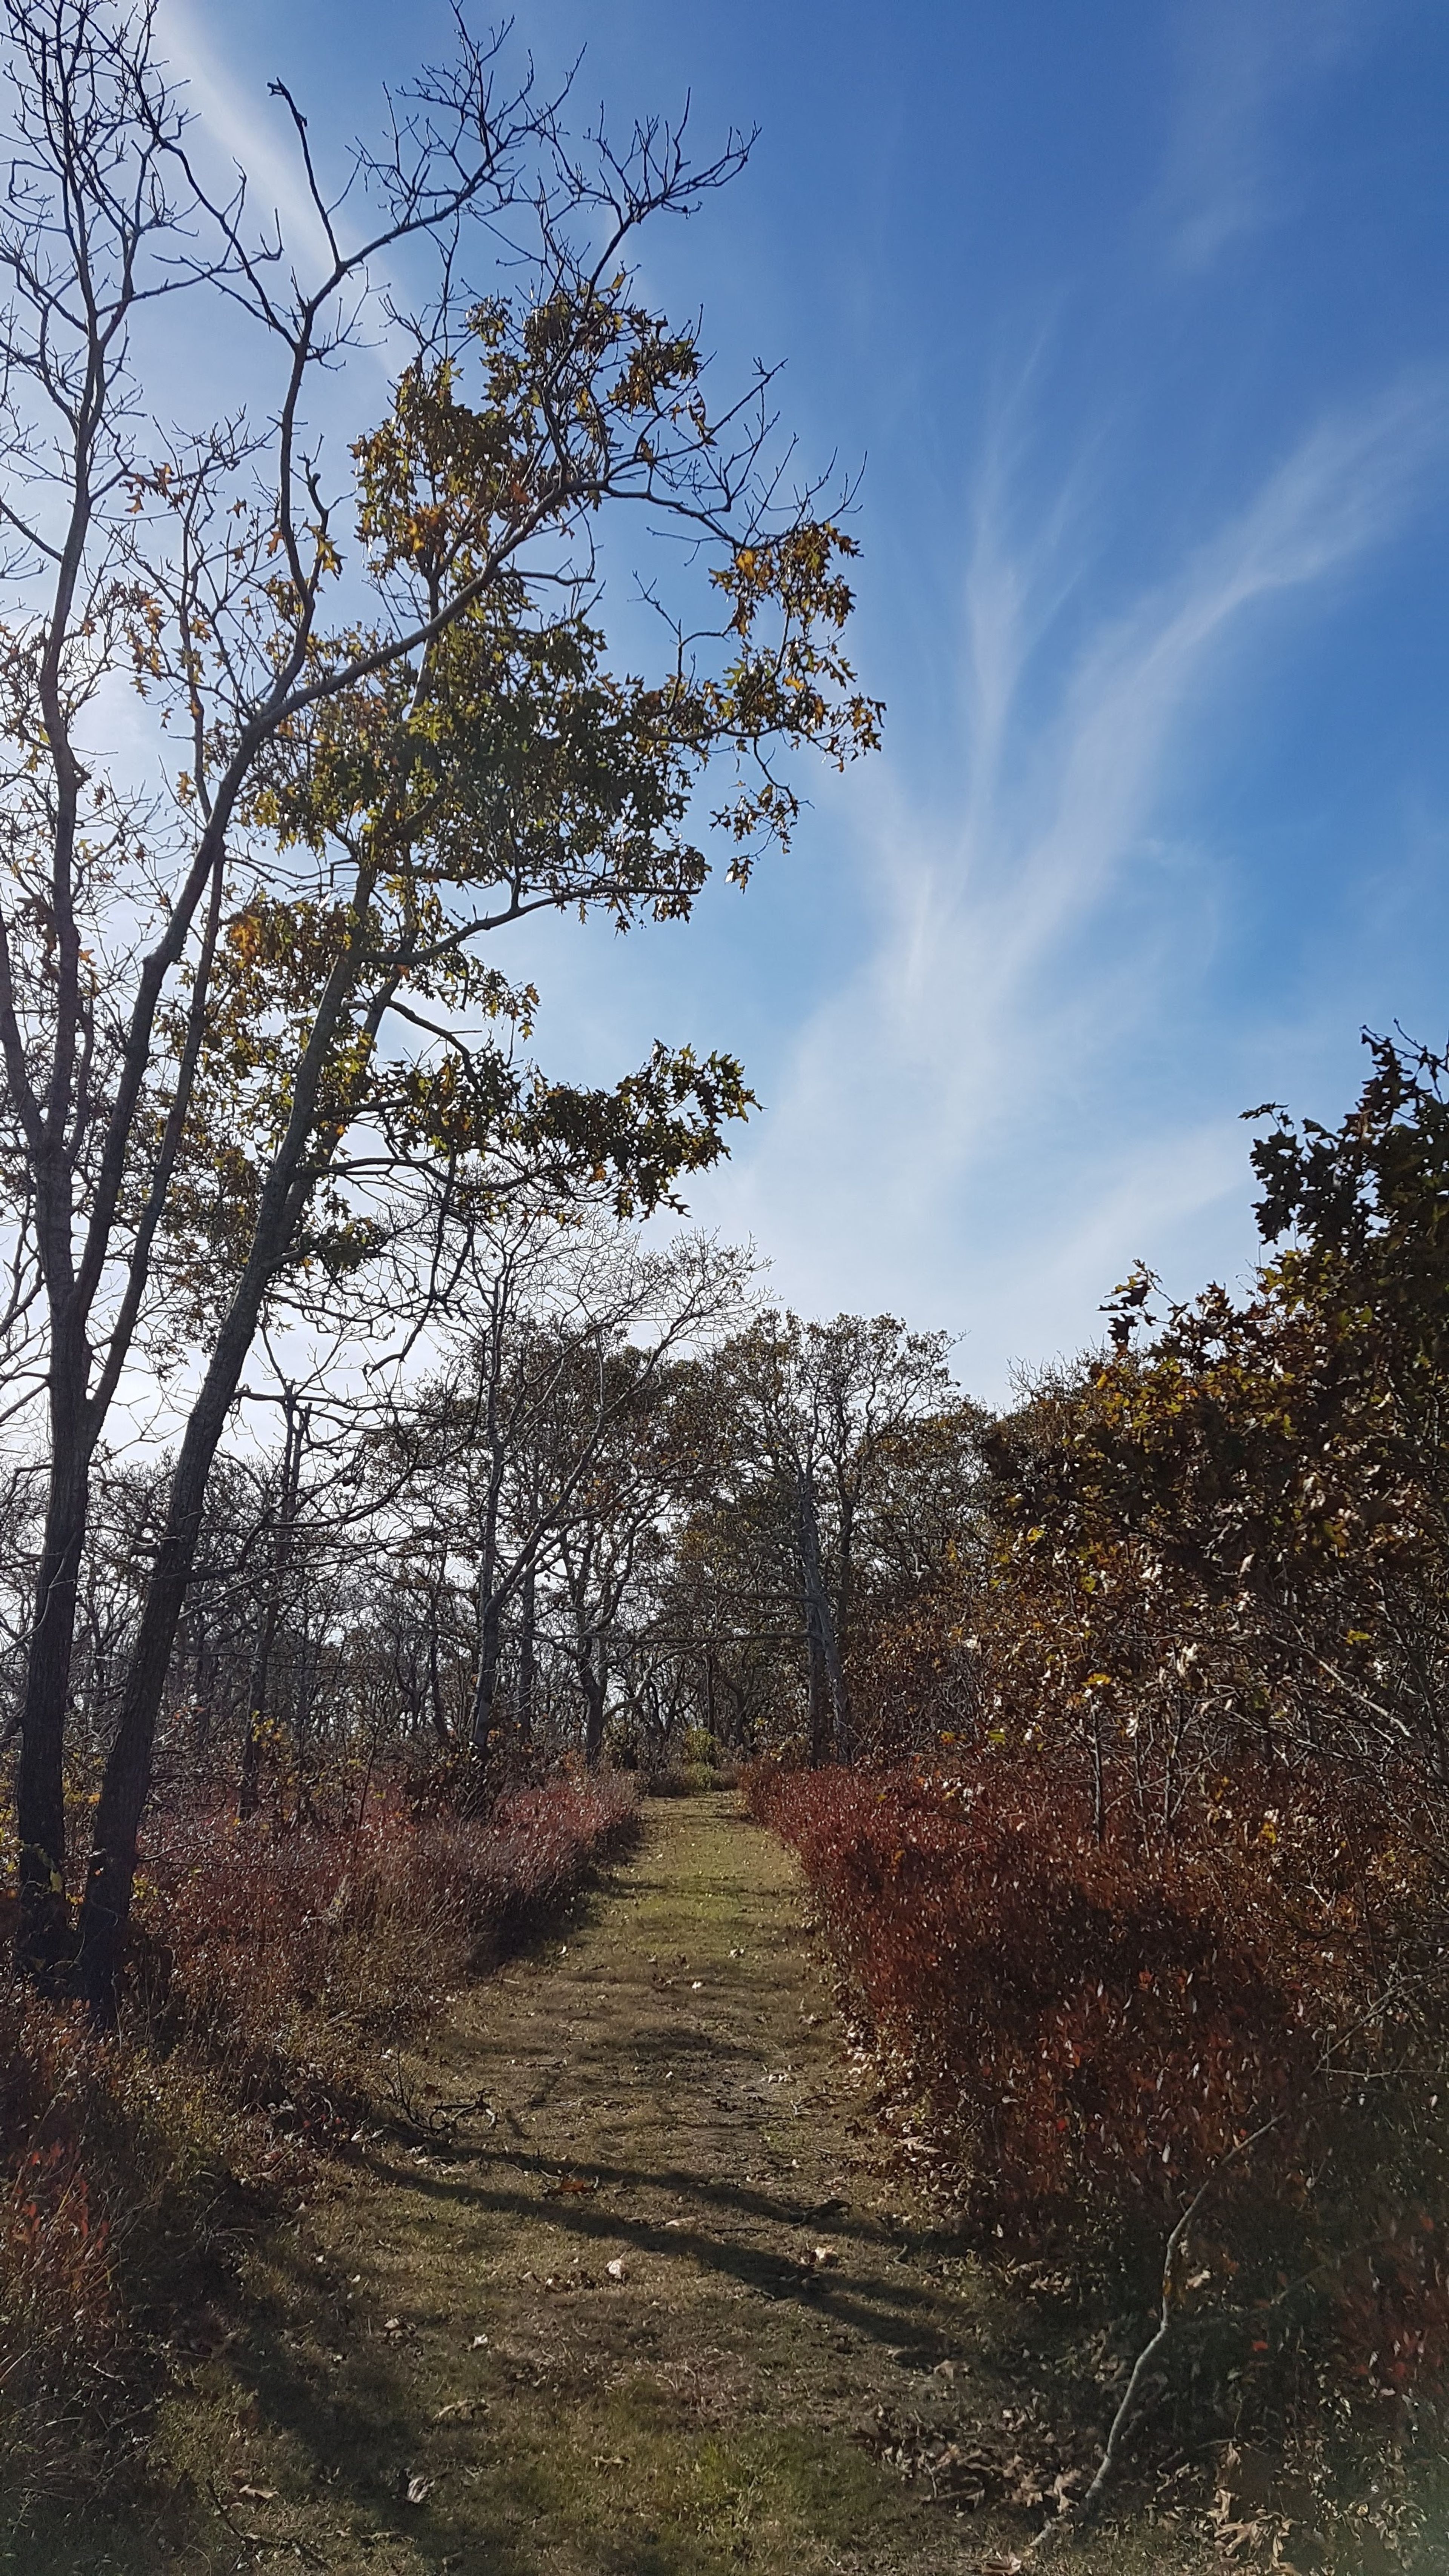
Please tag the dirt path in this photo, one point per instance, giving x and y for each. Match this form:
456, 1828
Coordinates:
634, 2316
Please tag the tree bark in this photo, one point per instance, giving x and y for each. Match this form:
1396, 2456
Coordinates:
251, 1768
595, 1698
43, 1938
436, 1711
480, 1723
106, 1907
297, 1166
526, 1637
830, 1722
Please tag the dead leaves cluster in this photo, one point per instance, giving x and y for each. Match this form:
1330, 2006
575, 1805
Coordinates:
1263, 2514
1021, 2467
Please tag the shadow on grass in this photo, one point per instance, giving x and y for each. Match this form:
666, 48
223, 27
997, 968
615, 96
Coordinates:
890, 2313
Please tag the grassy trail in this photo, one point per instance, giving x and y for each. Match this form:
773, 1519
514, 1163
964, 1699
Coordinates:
459, 2361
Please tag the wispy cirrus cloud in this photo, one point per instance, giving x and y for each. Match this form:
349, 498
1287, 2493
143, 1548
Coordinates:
994, 1014
1239, 64
240, 128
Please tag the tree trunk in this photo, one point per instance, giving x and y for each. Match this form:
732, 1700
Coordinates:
106, 1908
490, 1611
480, 1723
526, 1635
595, 1696
251, 1769
818, 1698
436, 1711
107, 1903
43, 1932
830, 1722
249, 1797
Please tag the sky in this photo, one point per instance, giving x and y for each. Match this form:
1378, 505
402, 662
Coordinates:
1132, 317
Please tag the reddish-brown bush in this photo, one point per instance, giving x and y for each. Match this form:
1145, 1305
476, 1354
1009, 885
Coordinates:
277, 1958
113, 2169
1092, 2028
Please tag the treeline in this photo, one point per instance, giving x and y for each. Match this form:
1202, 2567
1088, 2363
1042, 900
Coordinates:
616, 1505
346, 1429
263, 1054
618, 1510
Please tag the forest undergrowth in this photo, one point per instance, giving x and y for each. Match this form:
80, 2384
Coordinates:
1092, 2034
271, 1978
1140, 1889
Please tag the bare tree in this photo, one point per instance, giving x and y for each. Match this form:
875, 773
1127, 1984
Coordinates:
818, 1409
565, 1332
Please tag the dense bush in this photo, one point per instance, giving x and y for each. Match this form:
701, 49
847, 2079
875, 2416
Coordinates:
264, 1973
278, 1958
1089, 2027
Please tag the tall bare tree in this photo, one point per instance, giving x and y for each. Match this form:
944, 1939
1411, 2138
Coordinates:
816, 1410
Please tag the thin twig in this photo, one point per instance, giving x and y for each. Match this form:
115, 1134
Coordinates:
1076, 2517
262, 2539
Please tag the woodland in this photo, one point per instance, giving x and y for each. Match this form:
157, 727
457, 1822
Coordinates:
397, 1492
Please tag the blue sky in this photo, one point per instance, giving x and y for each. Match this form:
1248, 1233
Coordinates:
1135, 315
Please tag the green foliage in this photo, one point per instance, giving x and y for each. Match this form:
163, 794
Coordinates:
1236, 1535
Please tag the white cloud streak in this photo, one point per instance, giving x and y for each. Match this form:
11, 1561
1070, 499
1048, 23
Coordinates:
240, 133
951, 1094
1240, 62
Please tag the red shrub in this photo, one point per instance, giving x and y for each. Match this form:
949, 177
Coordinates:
243, 1939
108, 2184
1093, 2028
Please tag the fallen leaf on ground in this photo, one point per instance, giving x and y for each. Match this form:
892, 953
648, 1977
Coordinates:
823, 2254
569, 2183
258, 2495
419, 2489
617, 2270
477, 2343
